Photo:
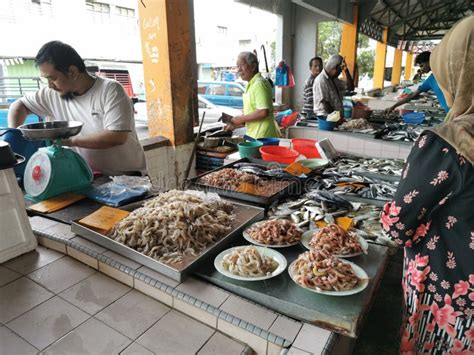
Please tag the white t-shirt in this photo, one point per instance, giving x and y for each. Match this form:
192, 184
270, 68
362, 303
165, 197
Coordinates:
105, 106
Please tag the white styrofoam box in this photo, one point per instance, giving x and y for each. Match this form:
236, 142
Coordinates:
16, 236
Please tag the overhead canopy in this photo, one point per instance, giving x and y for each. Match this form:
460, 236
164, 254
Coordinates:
411, 20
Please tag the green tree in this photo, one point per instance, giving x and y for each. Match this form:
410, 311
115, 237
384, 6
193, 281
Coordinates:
329, 39
365, 56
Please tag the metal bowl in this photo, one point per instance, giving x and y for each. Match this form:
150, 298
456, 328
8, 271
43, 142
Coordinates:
51, 130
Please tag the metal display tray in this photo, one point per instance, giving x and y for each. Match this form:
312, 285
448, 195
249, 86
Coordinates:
294, 186
244, 216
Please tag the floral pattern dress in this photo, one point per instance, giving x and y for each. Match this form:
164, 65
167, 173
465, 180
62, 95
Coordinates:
432, 217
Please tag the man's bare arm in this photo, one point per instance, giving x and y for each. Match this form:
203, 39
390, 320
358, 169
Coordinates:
17, 114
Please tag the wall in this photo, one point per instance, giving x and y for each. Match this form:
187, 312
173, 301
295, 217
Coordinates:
306, 24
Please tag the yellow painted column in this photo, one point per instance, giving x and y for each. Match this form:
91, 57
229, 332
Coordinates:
379, 65
349, 41
397, 66
408, 65
168, 48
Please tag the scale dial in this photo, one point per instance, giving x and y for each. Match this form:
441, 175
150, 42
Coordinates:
37, 174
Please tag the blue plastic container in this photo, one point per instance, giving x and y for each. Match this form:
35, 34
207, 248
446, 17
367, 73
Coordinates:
269, 141
326, 125
413, 117
250, 149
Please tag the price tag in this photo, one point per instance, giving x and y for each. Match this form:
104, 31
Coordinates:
297, 169
248, 188
343, 222
104, 219
56, 203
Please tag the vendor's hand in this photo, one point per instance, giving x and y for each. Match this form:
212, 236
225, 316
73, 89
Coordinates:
390, 109
237, 121
69, 142
229, 127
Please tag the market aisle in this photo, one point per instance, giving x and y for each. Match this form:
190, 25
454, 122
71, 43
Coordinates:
50, 302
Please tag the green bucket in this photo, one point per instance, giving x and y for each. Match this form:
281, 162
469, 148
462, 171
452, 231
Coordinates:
250, 149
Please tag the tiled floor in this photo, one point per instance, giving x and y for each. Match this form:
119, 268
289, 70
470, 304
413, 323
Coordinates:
53, 304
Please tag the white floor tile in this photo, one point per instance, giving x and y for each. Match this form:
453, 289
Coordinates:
136, 349
33, 260
7, 275
221, 344
48, 322
94, 293
12, 344
249, 312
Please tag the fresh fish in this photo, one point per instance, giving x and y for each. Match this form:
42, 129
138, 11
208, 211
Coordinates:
329, 197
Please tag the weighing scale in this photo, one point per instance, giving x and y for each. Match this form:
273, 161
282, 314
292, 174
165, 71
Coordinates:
54, 169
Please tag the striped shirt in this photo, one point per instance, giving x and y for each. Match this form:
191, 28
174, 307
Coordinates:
308, 96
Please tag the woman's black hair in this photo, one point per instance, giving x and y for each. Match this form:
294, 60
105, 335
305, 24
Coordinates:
61, 56
423, 57
315, 58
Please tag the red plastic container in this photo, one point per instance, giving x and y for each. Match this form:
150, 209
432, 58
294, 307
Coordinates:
307, 147
278, 154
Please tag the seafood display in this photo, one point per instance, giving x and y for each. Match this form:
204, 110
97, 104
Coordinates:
228, 178
175, 224
335, 240
235, 180
248, 261
317, 270
347, 166
355, 124
275, 232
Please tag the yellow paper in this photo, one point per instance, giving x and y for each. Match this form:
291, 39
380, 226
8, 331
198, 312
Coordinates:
343, 222
56, 203
104, 219
297, 169
247, 188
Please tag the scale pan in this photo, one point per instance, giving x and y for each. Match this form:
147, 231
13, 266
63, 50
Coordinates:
51, 130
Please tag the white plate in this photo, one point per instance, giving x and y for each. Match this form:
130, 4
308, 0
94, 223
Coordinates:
309, 234
357, 270
280, 259
253, 241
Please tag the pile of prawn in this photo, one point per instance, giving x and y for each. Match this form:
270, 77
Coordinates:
275, 232
228, 179
317, 270
335, 240
174, 225
247, 261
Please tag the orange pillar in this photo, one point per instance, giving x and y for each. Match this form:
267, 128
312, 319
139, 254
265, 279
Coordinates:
169, 60
397, 66
349, 41
408, 65
379, 65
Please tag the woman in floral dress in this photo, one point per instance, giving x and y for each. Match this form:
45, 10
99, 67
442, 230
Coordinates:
432, 214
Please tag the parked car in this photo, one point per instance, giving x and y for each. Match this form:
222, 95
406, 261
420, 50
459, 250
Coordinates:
223, 93
213, 112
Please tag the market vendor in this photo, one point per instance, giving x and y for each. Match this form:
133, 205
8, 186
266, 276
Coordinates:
430, 84
328, 89
108, 140
258, 105
315, 67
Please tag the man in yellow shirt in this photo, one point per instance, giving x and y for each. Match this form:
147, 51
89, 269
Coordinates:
258, 106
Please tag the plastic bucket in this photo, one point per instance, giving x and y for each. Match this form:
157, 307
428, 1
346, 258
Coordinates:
269, 141
414, 117
307, 147
326, 125
250, 149
279, 154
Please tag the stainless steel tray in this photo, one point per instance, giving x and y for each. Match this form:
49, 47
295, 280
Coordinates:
244, 216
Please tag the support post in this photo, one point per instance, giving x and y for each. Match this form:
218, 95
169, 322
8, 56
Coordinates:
380, 56
397, 66
349, 41
169, 64
408, 65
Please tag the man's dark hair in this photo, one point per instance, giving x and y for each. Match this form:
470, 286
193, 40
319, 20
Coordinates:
423, 57
61, 56
315, 58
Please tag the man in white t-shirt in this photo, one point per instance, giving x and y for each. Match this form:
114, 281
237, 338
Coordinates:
108, 140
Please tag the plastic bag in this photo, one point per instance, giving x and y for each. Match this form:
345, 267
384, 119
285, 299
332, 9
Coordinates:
284, 76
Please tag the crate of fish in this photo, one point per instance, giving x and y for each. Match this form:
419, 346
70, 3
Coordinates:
260, 184
174, 232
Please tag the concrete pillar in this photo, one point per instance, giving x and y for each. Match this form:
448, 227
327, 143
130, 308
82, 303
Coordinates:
169, 64
349, 41
379, 65
397, 66
408, 65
